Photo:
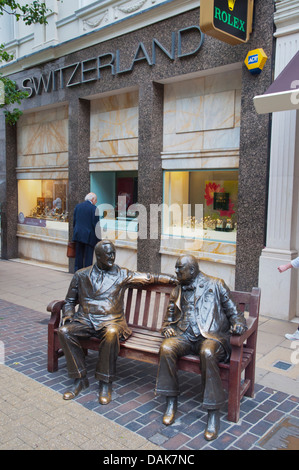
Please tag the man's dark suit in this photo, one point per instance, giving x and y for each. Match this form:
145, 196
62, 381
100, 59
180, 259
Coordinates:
84, 234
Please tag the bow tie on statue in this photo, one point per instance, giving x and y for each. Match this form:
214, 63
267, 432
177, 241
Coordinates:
188, 287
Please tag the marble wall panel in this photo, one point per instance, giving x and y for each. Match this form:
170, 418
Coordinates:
120, 124
219, 110
126, 258
102, 148
218, 82
238, 108
43, 160
222, 139
42, 174
197, 162
185, 141
202, 104
115, 102
58, 113
189, 116
43, 244
114, 165
114, 132
114, 147
42, 138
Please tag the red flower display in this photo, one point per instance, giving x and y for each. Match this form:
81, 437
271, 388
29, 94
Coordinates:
230, 211
212, 188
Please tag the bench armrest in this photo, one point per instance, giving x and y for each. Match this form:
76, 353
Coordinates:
55, 308
238, 340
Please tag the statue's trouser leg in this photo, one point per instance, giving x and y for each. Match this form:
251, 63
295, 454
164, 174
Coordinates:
167, 380
69, 335
108, 353
211, 353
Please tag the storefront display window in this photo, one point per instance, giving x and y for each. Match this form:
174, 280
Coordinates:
42, 201
117, 193
201, 204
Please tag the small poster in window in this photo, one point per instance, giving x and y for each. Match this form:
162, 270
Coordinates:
221, 202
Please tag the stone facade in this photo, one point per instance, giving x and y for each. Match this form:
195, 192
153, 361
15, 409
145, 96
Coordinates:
119, 79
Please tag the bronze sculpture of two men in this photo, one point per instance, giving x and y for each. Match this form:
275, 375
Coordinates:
200, 319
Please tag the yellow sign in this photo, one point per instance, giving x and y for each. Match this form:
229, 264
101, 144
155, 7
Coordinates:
255, 61
229, 21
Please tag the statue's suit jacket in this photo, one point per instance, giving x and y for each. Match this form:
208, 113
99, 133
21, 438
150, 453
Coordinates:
100, 295
215, 311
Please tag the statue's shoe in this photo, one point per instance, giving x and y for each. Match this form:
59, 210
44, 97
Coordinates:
105, 393
171, 407
79, 384
213, 425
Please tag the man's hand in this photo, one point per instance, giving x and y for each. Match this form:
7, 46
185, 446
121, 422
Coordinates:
67, 318
238, 329
168, 332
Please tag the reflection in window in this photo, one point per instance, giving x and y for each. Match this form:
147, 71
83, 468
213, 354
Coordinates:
117, 193
201, 204
42, 200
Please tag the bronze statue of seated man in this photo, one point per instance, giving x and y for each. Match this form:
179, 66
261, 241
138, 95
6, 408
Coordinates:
200, 318
99, 291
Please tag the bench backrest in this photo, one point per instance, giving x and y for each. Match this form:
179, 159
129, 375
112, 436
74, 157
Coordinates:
146, 306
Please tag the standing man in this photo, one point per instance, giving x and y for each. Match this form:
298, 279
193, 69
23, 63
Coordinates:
200, 319
84, 231
99, 290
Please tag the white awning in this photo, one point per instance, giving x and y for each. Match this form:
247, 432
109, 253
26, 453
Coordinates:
283, 93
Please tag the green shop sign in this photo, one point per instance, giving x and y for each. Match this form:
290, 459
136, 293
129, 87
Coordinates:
227, 20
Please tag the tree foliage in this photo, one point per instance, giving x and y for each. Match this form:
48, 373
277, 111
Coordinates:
33, 13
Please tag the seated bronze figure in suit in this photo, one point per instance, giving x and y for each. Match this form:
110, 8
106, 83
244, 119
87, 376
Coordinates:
200, 318
98, 290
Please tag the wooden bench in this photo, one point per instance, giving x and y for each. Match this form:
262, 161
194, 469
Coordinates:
145, 308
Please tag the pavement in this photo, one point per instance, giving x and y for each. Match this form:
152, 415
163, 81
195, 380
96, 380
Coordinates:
33, 415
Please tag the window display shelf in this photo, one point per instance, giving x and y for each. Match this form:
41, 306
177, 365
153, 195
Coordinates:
201, 234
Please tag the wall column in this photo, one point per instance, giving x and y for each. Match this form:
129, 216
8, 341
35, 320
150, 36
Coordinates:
9, 209
150, 175
79, 151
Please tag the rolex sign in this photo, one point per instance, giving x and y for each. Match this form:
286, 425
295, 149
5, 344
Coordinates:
227, 20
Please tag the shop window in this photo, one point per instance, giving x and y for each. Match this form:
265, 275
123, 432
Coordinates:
117, 194
42, 201
201, 204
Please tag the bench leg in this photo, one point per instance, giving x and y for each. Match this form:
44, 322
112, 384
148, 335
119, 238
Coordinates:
234, 390
53, 354
52, 361
250, 369
250, 375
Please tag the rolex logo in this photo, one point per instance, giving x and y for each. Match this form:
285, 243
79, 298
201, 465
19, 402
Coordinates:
231, 4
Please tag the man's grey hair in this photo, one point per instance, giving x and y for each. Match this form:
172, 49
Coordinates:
90, 196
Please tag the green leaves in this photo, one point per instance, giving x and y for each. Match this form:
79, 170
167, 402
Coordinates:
12, 95
33, 13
